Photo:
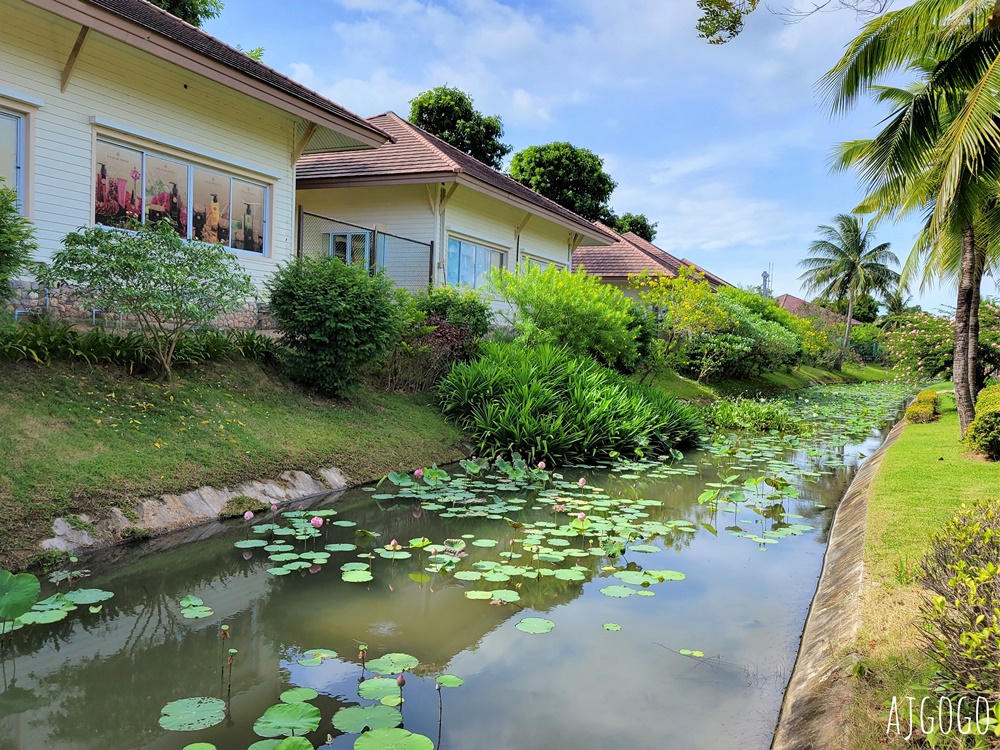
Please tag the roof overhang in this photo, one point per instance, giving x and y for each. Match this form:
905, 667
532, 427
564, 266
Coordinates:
340, 132
592, 234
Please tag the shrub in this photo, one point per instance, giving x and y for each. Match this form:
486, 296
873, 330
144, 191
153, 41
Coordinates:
545, 403
169, 284
571, 310
753, 415
17, 239
962, 616
336, 320
419, 361
920, 412
983, 435
930, 397
464, 308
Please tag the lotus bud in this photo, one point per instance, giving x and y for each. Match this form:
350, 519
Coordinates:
316, 522
247, 555
582, 482
581, 516
418, 473
541, 464
273, 507
248, 515
400, 681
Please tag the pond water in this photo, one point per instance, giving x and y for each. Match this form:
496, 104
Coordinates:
654, 660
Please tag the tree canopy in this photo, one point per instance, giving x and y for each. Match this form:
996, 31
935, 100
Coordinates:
571, 176
195, 12
450, 114
636, 223
722, 21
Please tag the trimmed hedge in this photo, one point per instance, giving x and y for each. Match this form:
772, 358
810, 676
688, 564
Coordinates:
920, 412
930, 397
983, 435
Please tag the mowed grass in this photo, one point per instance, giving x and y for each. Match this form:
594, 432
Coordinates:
81, 439
924, 477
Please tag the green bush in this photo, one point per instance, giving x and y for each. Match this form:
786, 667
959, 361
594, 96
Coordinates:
17, 239
983, 435
571, 310
545, 403
930, 397
920, 412
961, 618
752, 415
336, 320
464, 308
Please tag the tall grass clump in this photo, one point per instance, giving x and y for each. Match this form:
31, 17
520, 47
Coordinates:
750, 415
547, 404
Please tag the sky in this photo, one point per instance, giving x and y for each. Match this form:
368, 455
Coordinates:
726, 147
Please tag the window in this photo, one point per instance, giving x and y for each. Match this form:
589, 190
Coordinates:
542, 263
200, 203
351, 247
469, 263
12, 151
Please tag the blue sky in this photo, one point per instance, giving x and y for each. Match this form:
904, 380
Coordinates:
726, 147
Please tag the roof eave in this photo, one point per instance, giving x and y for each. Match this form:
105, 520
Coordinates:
146, 40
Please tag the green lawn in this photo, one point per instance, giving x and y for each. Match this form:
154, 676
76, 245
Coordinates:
924, 477
80, 439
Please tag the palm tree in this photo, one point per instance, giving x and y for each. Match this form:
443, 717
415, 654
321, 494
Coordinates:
843, 264
939, 152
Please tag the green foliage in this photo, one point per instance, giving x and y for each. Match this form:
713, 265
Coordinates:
921, 345
722, 20
751, 415
547, 404
169, 284
575, 311
458, 305
930, 397
451, 115
336, 319
983, 435
920, 412
572, 177
195, 12
961, 618
865, 308
17, 239
636, 223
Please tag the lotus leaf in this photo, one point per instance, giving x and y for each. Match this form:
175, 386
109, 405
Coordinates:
283, 719
392, 663
535, 625
197, 613
298, 695
358, 718
88, 596
357, 576
378, 688
505, 595
612, 626
393, 739
250, 543
18, 593
191, 714
618, 592
450, 681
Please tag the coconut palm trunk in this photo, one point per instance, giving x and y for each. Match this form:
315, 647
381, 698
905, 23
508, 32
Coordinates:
850, 317
963, 376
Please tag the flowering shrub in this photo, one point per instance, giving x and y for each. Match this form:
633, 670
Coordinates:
983, 434
922, 345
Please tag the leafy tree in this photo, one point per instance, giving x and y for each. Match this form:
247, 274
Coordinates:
865, 307
636, 223
449, 114
195, 12
722, 21
572, 177
844, 265
17, 239
170, 285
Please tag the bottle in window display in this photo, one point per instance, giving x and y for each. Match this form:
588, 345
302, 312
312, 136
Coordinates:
175, 205
102, 184
248, 240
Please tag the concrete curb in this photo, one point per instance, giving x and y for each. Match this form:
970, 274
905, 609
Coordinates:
813, 712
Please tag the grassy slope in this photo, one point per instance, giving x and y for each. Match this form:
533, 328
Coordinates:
77, 439
924, 476
768, 383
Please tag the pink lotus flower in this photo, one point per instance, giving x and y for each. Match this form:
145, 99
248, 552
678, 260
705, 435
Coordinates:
418, 473
273, 507
559, 508
582, 482
581, 516
401, 681
541, 464
248, 516
316, 522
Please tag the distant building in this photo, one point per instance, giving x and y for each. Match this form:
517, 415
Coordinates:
803, 309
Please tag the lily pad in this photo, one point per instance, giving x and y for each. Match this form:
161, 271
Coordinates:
485, 543
535, 625
648, 548
314, 657
378, 688
356, 576
192, 714
200, 746
284, 719
88, 596
393, 739
618, 592
342, 547
298, 695
42, 617
505, 595
392, 663
450, 681
358, 718
197, 613
484, 595
612, 626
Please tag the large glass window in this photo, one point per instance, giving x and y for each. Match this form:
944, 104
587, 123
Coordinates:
12, 151
469, 263
199, 203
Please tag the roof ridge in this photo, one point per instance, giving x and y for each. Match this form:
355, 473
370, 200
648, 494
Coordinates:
426, 138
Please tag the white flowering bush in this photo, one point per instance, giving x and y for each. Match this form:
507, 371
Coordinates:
922, 345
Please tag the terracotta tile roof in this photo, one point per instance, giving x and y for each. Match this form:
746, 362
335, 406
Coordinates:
159, 21
798, 306
416, 154
632, 254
